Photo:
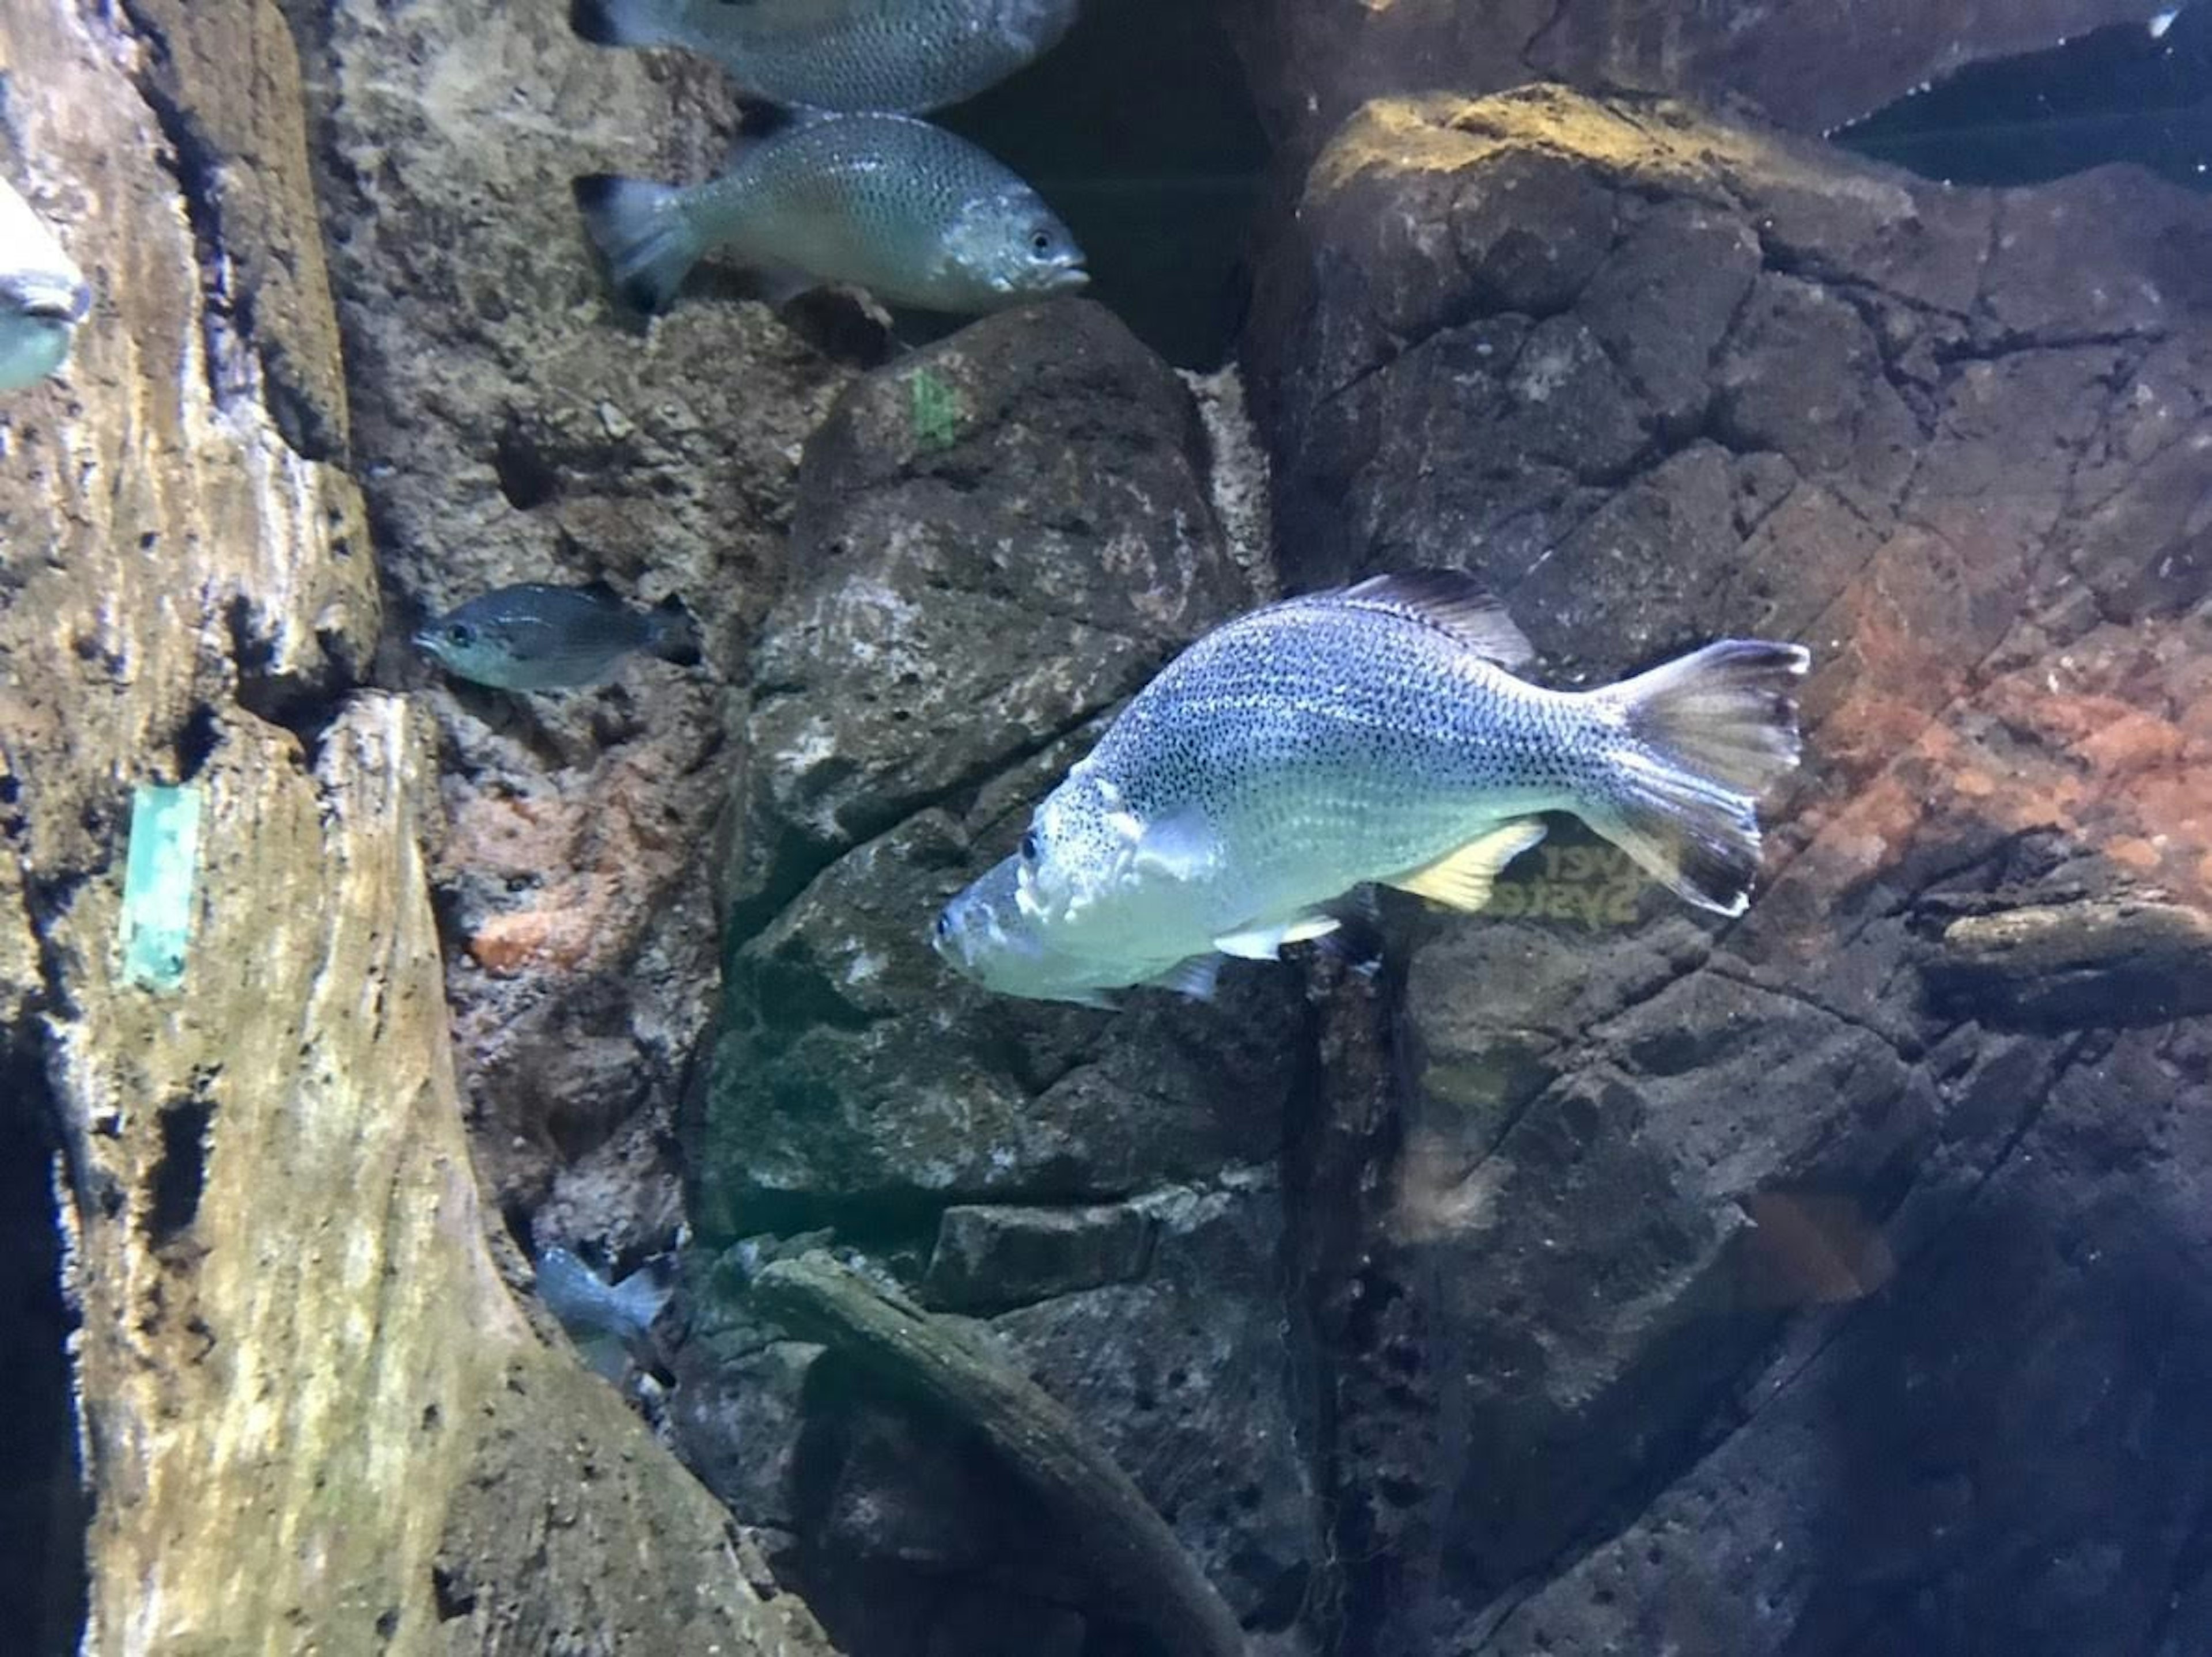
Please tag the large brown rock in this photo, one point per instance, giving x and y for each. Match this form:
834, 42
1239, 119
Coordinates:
1661, 377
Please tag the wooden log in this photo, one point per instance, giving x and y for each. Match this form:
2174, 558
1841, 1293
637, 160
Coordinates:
1135, 1555
312, 1417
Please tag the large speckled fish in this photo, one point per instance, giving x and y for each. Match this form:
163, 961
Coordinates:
1372, 734
917, 216
43, 296
903, 56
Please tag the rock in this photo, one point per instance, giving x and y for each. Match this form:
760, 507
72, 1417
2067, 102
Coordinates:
1694, 378
1312, 64
999, 537
989, 1256
1184, 1376
510, 427
2078, 964
1003, 535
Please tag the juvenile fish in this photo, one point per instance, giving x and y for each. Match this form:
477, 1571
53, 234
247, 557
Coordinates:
1374, 734
917, 216
536, 637
43, 296
903, 56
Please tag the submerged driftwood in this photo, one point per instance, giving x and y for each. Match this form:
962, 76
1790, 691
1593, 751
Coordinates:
1116, 1533
313, 1418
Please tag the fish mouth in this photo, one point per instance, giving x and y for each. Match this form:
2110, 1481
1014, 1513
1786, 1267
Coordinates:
424, 641
1067, 279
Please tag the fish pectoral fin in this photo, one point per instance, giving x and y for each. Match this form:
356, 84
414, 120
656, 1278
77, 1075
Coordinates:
1266, 943
1194, 978
1462, 878
1181, 846
1097, 999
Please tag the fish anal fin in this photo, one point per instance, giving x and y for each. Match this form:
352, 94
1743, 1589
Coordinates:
1194, 978
1462, 878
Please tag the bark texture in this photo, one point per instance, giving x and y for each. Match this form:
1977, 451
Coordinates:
312, 1417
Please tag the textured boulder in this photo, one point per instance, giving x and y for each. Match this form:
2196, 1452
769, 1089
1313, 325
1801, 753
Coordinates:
997, 538
510, 427
1661, 378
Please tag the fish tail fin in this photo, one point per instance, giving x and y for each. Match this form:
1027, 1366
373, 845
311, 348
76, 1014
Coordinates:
642, 232
621, 23
675, 635
1707, 733
636, 1301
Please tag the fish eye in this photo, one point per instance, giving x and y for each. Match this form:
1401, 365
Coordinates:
1041, 242
460, 633
1029, 846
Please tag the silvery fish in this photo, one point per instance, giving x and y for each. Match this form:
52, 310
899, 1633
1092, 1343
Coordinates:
1374, 734
903, 55
609, 1322
536, 637
43, 296
912, 213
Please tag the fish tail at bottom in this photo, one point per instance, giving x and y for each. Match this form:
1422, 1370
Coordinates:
1707, 733
643, 233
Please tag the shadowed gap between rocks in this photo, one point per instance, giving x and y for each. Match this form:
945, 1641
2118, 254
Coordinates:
43, 1511
2124, 93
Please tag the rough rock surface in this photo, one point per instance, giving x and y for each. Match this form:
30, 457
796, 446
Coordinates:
1313, 62
1661, 378
509, 425
298, 1371
997, 539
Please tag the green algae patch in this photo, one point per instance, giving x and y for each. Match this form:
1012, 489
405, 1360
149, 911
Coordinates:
935, 410
160, 880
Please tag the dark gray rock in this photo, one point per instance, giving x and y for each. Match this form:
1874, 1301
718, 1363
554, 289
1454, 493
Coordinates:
998, 537
1597, 1225
1187, 1376
992, 1258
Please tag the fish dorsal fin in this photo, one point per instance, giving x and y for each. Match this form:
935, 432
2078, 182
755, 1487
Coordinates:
1451, 601
1462, 878
1194, 978
1265, 943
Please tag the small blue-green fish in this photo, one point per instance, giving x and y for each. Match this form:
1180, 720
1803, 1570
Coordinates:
536, 637
1371, 734
609, 1322
43, 296
903, 55
915, 215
